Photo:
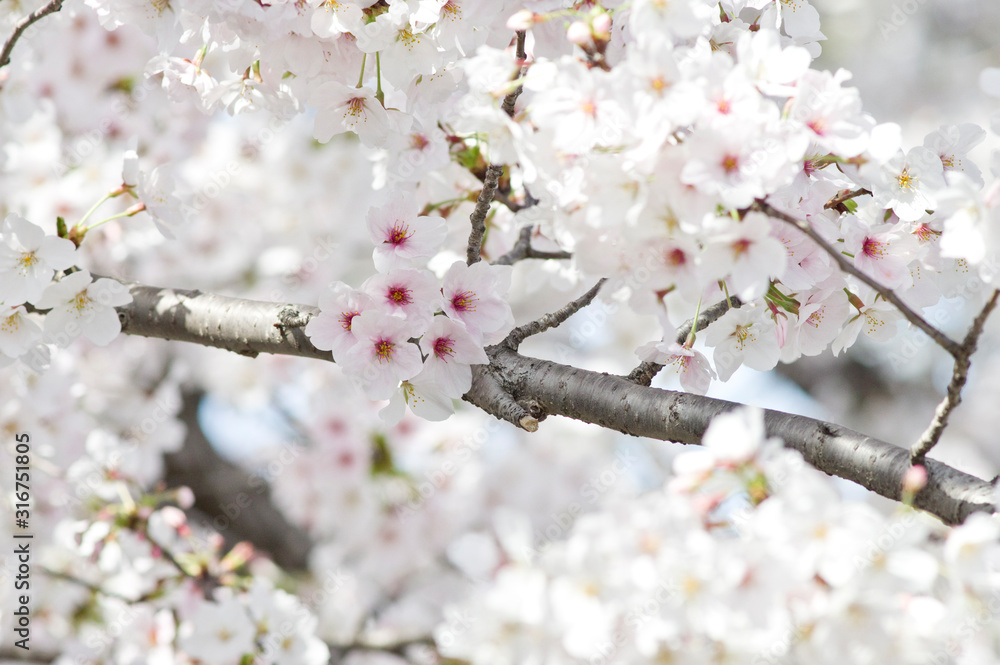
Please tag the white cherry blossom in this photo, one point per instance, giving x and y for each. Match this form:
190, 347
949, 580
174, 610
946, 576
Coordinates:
28, 259
80, 306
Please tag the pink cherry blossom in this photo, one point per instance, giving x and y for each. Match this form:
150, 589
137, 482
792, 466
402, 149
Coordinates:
744, 336
402, 238
451, 351
689, 365
411, 294
383, 355
474, 295
331, 330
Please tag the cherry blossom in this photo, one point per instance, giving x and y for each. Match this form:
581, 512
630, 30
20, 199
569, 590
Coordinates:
744, 336
28, 259
18, 333
80, 306
219, 632
690, 366
650, 140
383, 355
451, 351
331, 329
883, 251
474, 295
402, 238
907, 183
412, 294
875, 317
345, 109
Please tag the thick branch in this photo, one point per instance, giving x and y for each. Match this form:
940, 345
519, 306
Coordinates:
539, 387
25, 23
644, 373
616, 403
246, 327
234, 501
946, 343
959, 375
478, 218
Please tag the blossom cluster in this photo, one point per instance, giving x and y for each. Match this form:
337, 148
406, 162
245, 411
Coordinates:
747, 555
645, 134
645, 137
78, 305
406, 325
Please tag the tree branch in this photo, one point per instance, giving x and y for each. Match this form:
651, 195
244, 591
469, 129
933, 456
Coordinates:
552, 320
644, 373
478, 217
522, 249
511, 98
542, 387
837, 202
959, 375
246, 327
616, 403
946, 343
233, 501
25, 23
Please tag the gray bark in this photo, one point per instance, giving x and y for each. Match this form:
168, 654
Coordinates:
513, 386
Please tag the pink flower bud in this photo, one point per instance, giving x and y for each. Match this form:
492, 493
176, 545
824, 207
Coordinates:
601, 25
578, 33
522, 20
185, 497
915, 479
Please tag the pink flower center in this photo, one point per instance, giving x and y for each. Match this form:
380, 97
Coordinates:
399, 295
740, 247
873, 248
398, 235
730, 163
419, 141
676, 258
818, 125
346, 318
464, 301
444, 348
383, 350
925, 233
355, 107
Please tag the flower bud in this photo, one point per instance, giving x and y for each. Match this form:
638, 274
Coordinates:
915, 479
578, 33
522, 20
601, 26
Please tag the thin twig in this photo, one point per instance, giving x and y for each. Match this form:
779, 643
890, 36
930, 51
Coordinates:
844, 195
644, 373
522, 249
505, 199
66, 577
478, 217
511, 99
22, 25
959, 375
552, 319
942, 340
